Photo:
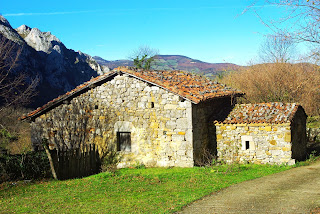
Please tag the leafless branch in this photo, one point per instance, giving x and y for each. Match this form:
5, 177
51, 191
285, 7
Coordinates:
16, 88
301, 20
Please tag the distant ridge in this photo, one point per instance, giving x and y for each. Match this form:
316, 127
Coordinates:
113, 64
192, 65
177, 62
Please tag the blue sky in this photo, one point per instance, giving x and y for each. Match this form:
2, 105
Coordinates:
208, 30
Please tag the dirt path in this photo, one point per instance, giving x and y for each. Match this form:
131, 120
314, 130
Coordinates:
293, 191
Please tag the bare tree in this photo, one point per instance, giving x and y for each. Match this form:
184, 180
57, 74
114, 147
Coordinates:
15, 88
280, 80
301, 20
143, 57
278, 48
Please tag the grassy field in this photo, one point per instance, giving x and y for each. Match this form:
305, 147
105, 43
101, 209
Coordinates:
152, 190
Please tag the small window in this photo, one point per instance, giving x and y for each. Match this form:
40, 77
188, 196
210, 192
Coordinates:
181, 99
247, 144
152, 104
124, 141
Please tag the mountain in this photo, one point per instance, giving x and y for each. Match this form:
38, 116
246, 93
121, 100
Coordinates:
43, 55
173, 62
113, 64
60, 69
176, 62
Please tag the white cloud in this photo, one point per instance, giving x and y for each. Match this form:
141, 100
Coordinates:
49, 13
126, 10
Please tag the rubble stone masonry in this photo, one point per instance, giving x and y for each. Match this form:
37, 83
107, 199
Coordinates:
258, 143
160, 122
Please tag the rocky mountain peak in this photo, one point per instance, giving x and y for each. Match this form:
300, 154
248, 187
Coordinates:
44, 56
40, 41
9, 32
23, 30
4, 21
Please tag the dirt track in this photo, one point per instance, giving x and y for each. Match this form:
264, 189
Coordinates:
293, 191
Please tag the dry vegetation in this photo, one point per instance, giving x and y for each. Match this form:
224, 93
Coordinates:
279, 82
16, 90
15, 135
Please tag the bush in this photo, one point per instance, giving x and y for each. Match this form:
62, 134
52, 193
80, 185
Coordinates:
14, 134
109, 160
279, 82
30, 165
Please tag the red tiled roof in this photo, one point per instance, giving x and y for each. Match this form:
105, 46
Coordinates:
192, 87
275, 112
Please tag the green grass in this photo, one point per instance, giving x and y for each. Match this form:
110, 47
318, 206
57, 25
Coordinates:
313, 122
152, 190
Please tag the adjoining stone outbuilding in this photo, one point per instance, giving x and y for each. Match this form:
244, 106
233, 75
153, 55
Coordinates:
155, 118
273, 133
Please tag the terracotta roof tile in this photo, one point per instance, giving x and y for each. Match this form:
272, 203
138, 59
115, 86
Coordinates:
192, 87
275, 112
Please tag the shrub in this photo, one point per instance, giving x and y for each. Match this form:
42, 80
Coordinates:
279, 82
30, 165
109, 160
14, 134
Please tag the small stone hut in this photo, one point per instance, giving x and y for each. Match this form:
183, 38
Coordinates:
273, 133
155, 118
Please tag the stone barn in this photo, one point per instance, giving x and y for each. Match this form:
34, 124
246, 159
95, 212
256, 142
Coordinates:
155, 118
273, 133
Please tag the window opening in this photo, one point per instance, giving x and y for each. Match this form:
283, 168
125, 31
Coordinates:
181, 99
247, 144
152, 104
124, 141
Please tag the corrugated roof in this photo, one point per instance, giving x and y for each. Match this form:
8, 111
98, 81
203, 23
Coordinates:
274, 112
192, 87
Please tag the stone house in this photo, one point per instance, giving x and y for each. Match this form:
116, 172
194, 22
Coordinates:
155, 118
273, 133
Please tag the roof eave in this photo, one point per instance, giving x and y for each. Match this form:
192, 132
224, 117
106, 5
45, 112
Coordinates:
57, 102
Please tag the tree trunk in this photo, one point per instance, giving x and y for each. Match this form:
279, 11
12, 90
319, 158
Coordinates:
46, 148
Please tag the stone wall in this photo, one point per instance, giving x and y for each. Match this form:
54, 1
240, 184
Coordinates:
255, 143
313, 140
313, 135
159, 122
